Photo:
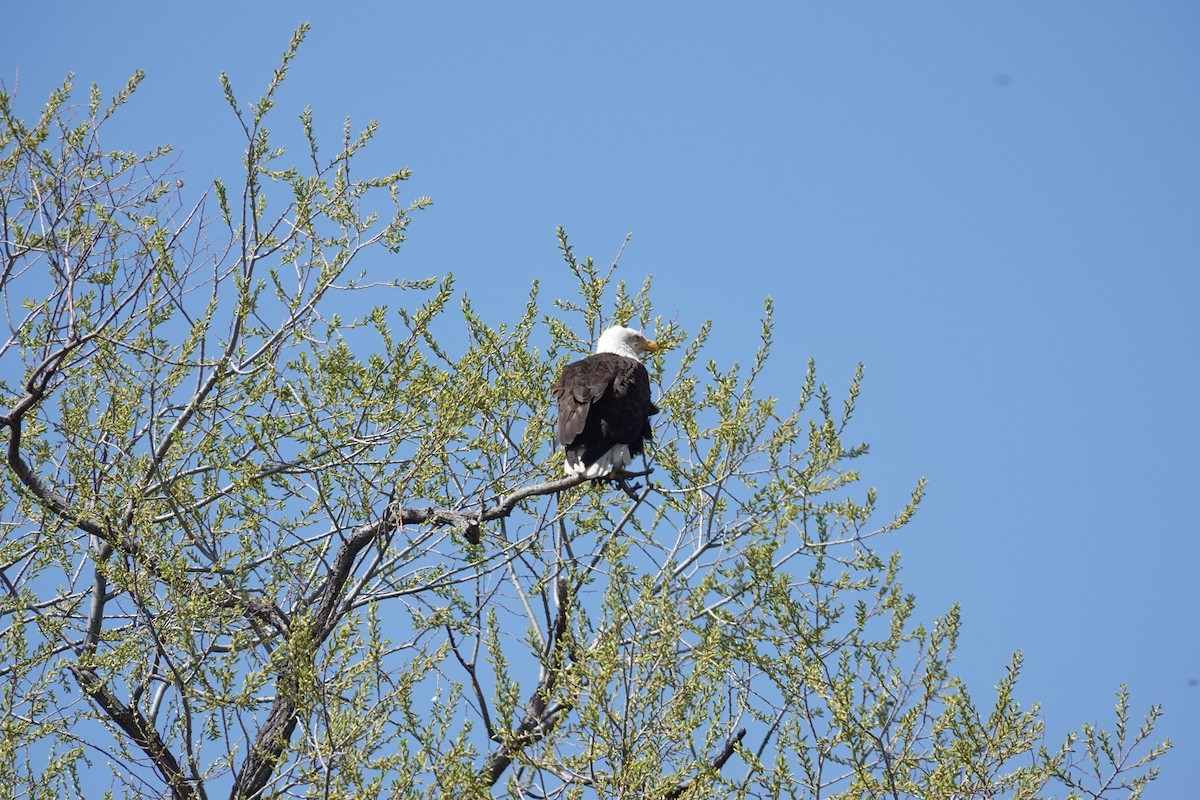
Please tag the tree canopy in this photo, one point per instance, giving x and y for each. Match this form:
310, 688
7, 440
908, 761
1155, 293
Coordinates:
281, 519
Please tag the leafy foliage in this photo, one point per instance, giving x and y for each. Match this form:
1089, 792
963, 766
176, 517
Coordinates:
252, 546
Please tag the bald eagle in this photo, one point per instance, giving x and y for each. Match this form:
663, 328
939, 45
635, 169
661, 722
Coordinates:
604, 405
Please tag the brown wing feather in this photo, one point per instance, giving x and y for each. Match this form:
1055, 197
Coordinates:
603, 400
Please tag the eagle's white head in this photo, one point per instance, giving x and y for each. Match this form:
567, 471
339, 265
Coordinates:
625, 342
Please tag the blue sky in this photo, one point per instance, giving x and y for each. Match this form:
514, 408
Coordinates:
995, 206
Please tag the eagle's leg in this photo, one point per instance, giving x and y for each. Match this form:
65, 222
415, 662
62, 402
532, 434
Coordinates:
621, 478
627, 487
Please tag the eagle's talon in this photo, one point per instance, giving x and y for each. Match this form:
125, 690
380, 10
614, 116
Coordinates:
630, 489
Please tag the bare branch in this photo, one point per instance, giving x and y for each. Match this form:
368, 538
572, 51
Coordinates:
142, 733
540, 714
717, 762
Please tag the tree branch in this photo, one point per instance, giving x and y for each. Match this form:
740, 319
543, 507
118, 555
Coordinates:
272, 739
130, 720
31, 480
540, 713
539, 716
718, 761
469, 521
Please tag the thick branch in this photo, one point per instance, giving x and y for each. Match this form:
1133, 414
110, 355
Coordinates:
469, 521
540, 713
54, 501
272, 739
718, 761
130, 720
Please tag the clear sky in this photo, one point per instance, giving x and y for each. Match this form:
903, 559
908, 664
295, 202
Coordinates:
994, 205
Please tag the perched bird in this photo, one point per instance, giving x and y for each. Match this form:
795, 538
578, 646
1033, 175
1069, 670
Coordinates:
604, 405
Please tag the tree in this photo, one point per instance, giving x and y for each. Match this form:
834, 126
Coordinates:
254, 546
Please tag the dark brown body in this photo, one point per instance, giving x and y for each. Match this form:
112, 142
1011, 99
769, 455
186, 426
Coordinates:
603, 401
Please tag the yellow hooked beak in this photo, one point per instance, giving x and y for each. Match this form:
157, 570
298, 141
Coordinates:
649, 345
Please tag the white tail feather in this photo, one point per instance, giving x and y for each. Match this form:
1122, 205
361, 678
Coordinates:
615, 460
